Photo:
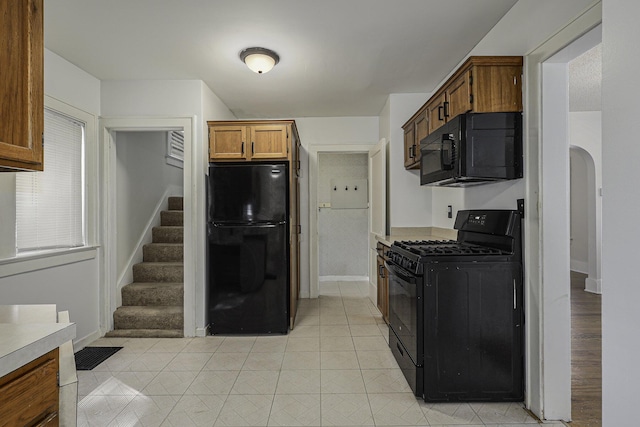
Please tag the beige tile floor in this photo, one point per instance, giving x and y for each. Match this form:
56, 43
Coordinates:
334, 369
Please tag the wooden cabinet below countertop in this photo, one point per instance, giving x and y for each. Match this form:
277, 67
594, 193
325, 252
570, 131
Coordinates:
382, 281
30, 393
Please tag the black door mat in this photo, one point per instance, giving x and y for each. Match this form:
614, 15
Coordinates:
90, 357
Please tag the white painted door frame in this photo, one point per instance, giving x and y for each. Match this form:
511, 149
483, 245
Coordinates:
314, 150
377, 209
109, 285
546, 230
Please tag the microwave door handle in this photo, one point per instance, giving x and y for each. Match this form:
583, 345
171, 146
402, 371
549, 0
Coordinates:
446, 161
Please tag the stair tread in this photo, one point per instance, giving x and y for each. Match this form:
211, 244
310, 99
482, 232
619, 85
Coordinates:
150, 309
148, 284
164, 244
146, 333
161, 263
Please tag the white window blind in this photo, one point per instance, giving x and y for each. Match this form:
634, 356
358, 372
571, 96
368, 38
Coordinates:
50, 204
175, 147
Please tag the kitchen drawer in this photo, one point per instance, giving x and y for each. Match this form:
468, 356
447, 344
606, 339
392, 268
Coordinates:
412, 373
383, 250
30, 394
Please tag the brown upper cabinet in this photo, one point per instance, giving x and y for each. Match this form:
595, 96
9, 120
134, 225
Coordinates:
483, 84
22, 85
237, 141
412, 136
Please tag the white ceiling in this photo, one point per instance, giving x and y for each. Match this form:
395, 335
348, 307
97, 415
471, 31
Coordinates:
337, 57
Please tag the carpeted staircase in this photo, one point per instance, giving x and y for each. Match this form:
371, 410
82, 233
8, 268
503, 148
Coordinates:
152, 306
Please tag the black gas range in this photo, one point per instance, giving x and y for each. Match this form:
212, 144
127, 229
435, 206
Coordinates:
456, 312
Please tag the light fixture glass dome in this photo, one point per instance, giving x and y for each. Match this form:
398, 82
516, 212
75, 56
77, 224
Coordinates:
259, 60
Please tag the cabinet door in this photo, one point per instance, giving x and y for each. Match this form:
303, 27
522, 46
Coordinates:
459, 96
30, 393
227, 143
473, 331
21, 86
435, 113
499, 89
383, 289
409, 146
421, 127
268, 142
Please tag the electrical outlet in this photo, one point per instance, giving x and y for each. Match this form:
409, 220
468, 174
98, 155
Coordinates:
449, 211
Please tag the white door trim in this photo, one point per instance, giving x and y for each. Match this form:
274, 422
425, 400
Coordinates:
108, 296
546, 352
376, 201
313, 203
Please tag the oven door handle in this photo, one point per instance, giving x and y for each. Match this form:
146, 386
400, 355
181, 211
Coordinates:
403, 274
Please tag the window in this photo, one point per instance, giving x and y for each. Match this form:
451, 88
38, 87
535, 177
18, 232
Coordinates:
50, 204
175, 148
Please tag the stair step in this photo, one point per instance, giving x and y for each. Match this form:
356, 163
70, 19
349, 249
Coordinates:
158, 272
167, 234
163, 252
136, 317
176, 203
146, 333
153, 294
171, 218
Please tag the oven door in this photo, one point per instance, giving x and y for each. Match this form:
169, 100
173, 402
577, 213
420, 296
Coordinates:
406, 310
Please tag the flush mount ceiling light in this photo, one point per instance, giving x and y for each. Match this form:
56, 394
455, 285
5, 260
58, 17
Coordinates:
259, 60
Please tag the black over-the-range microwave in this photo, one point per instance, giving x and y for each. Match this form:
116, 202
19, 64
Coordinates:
473, 148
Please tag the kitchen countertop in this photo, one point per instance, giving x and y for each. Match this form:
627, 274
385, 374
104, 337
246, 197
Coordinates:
417, 233
25, 336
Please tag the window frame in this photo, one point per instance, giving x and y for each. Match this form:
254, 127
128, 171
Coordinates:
35, 260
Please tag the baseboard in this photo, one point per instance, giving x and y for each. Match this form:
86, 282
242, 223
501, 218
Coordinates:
81, 343
343, 278
593, 285
202, 332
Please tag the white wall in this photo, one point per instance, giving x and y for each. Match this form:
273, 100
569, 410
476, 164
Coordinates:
585, 137
7, 215
579, 243
72, 287
140, 190
621, 202
325, 131
343, 234
68, 83
409, 203
177, 98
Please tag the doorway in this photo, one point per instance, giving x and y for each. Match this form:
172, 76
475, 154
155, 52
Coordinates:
326, 154
585, 134
342, 219
555, 224
193, 226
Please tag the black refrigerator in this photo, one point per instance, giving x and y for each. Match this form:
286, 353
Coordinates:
248, 253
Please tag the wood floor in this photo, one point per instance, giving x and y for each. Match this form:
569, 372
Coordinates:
586, 355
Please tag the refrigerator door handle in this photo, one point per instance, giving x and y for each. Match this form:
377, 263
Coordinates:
261, 225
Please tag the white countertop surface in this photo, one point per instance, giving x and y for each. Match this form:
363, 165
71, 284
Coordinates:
24, 336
